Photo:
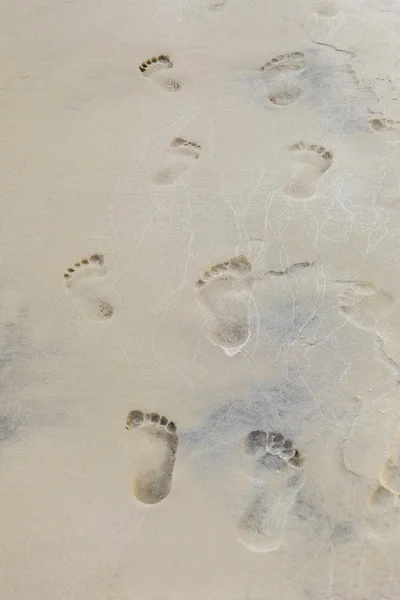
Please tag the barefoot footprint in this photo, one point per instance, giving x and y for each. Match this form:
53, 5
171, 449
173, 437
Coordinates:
315, 160
154, 480
279, 476
374, 310
79, 281
389, 477
154, 69
328, 8
182, 153
216, 5
225, 294
388, 128
281, 74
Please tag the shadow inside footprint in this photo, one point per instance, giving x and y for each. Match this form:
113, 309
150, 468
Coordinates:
153, 482
225, 294
278, 478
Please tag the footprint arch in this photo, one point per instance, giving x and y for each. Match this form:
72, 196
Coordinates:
157, 436
225, 294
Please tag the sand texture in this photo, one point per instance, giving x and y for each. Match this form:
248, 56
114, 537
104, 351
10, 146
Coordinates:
200, 300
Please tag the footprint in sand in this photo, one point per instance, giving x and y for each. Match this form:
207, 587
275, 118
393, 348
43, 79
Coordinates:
373, 310
281, 74
155, 70
278, 478
79, 282
182, 154
328, 8
382, 515
389, 476
153, 481
389, 129
314, 161
225, 292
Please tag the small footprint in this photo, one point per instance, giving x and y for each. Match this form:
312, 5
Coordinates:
182, 154
388, 128
282, 74
154, 481
225, 294
314, 161
276, 484
154, 69
78, 282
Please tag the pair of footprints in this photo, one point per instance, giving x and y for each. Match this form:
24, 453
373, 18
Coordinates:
224, 292
226, 300
278, 478
280, 72
312, 162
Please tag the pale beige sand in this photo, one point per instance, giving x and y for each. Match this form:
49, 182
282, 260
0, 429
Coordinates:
267, 131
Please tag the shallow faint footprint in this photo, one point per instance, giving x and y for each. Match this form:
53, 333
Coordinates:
281, 74
382, 515
278, 478
225, 291
153, 480
328, 8
372, 309
216, 5
313, 162
389, 129
79, 281
155, 69
182, 154
389, 476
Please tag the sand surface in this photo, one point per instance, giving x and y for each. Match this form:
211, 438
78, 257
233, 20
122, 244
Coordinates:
201, 223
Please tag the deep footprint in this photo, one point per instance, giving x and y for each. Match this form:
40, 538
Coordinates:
276, 484
225, 292
153, 482
314, 161
155, 69
78, 282
182, 154
281, 74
